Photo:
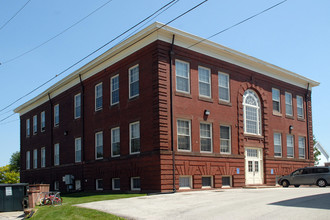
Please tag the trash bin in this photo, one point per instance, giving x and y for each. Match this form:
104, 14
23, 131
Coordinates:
12, 197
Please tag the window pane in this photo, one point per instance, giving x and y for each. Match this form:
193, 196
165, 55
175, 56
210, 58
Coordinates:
223, 86
290, 145
206, 181
184, 181
115, 142
114, 89
288, 103
225, 139
182, 76
135, 137
134, 81
277, 145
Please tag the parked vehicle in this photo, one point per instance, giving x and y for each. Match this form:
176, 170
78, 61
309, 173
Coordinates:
319, 176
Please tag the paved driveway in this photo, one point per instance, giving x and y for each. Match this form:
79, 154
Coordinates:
274, 203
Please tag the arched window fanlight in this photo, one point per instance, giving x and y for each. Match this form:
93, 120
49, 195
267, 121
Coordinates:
252, 113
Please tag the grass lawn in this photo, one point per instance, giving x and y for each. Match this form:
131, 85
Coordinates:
67, 211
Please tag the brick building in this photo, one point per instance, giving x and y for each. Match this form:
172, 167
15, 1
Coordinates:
155, 113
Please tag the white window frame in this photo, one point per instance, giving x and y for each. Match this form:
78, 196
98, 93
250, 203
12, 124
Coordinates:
211, 138
35, 159
190, 182
203, 82
113, 183
56, 154
77, 147
28, 160
76, 106
27, 127
187, 78
288, 103
230, 181
287, 146
96, 146
132, 185
229, 140
280, 141
56, 115
96, 96
35, 124
112, 90
129, 83
42, 121
56, 185
300, 107
274, 99
227, 86
43, 157
258, 108
112, 141
177, 124
97, 187
300, 147
130, 137
206, 187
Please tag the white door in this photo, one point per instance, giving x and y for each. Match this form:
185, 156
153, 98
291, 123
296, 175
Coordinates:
253, 166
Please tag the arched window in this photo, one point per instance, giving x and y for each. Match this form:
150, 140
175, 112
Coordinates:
252, 113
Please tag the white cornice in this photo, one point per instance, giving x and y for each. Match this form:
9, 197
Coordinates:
182, 39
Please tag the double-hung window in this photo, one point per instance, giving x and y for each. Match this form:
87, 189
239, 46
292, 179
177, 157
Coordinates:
42, 121
35, 158
98, 97
134, 137
56, 154
300, 106
290, 145
35, 124
277, 145
114, 90
302, 144
223, 81
27, 129
115, 183
133, 74
225, 139
77, 106
276, 100
115, 142
184, 134
99, 184
43, 157
27, 160
56, 115
206, 137
204, 82
182, 76
288, 104
77, 150
99, 145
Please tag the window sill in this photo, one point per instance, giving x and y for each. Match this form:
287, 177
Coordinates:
253, 136
98, 110
224, 103
301, 119
276, 113
205, 99
186, 95
134, 153
134, 97
289, 117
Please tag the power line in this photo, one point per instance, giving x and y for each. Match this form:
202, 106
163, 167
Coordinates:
249, 18
9, 122
14, 15
52, 38
83, 58
7, 117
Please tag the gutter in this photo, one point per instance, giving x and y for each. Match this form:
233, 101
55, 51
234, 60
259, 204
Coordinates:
171, 53
82, 106
307, 97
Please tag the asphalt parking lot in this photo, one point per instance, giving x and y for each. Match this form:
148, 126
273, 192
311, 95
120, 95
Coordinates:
270, 203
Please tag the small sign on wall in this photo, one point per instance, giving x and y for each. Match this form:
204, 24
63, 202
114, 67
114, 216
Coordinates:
237, 170
9, 191
271, 171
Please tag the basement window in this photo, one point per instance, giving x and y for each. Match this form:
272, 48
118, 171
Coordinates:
185, 182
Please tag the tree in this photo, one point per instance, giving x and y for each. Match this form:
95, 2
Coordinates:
316, 152
8, 176
15, 161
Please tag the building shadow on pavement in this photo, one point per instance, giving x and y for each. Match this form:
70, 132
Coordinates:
321, 201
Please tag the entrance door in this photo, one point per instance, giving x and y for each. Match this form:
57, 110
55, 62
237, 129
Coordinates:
253, 166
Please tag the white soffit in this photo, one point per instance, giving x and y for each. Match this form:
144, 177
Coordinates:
182, 39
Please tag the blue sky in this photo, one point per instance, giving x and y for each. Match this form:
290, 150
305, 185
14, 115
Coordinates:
294, 36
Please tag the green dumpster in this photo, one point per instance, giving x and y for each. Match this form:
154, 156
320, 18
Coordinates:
12, 197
